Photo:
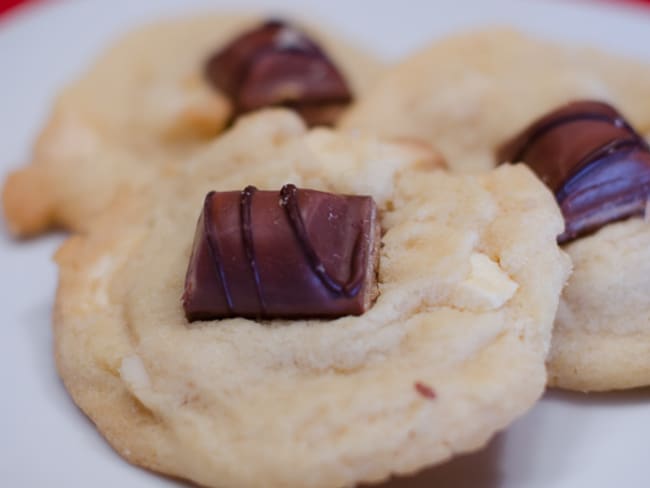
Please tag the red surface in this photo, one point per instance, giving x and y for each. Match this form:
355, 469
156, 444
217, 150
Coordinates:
6, 5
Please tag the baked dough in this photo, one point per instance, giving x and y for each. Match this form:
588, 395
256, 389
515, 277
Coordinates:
472, 92
452, 351
142, 107
601, 339
469, 93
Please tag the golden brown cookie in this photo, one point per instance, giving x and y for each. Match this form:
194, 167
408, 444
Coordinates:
601, 339
467, 93
470, 94
144, 105
452, 350
598, 167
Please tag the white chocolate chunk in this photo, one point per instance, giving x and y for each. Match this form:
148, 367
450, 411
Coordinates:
486, 287
133, 373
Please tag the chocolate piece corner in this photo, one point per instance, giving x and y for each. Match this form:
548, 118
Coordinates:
592, 159
276, 64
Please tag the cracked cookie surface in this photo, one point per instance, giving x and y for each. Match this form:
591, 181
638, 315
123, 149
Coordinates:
452, 351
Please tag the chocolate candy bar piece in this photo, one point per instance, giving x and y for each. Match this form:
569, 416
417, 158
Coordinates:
292, 254
276, 64
592, 159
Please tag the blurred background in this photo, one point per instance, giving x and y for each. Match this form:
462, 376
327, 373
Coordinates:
7, 5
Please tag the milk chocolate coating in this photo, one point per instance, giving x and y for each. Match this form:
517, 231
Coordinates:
276, 64
288, 254
592, 159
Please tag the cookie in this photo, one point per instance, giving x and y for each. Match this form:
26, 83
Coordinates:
468, 93
156, 97
598, 166
601, 339
472, 93
451, 351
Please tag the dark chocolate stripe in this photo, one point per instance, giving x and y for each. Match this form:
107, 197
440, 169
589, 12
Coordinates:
290, 203
587, 164
214, 250
567, 119
246, 203
607, 149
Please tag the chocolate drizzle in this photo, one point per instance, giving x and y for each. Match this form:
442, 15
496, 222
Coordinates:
543, 129
594, 161
352, 286
292, 254
213, 247
247, 238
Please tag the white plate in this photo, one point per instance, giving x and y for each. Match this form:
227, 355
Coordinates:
567, 440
